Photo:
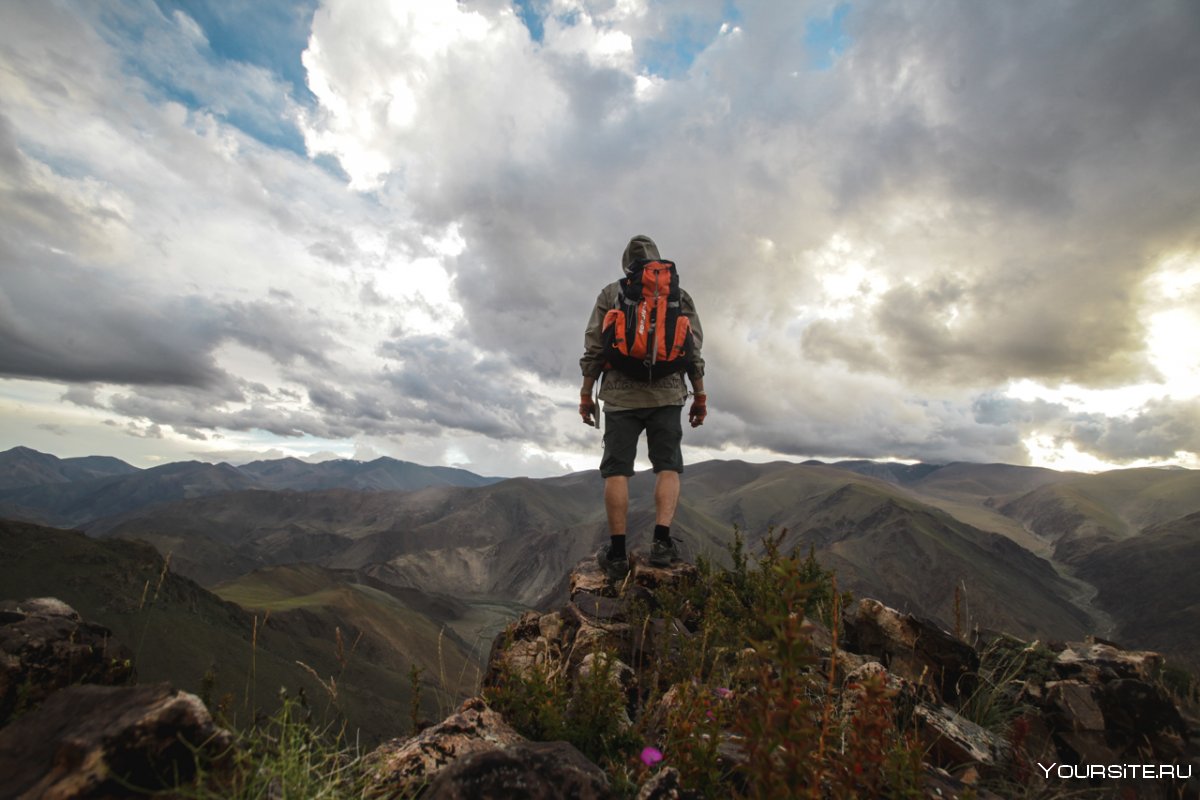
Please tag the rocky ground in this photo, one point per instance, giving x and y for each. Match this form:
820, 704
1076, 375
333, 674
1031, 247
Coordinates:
76, 725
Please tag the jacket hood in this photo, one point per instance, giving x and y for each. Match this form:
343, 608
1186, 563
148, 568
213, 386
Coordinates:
640, 248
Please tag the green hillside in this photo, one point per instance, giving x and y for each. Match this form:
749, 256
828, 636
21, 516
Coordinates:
179, 631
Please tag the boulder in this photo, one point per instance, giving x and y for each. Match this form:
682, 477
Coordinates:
913, 648
954, 741
535, 641
1136, 710
1075, 704
96, 741
1096, 661
598, 617
45, 646
400, 767
529, 770
666, 784
941, 785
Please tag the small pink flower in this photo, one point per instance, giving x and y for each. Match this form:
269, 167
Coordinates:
723, 693
651, 756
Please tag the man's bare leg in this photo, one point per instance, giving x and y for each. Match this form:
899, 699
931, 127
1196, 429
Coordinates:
616, 503
666, 497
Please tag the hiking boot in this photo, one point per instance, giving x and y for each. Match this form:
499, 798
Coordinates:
664, 553
615, 568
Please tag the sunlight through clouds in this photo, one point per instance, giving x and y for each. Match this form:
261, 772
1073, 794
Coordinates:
955, 233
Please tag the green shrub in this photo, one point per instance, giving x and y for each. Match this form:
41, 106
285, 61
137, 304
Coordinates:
283, 756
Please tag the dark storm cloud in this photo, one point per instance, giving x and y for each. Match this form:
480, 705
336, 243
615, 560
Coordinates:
439, 381
194, 412
280, 328
68, 322
1052, 138
1006, 177
60, 323
1160, 430
1020, 138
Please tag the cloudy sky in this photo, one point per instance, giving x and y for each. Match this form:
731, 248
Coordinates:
913, 230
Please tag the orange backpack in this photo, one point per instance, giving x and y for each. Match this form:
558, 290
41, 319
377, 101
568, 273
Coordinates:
647, 336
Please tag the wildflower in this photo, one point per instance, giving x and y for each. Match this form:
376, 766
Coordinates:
723, 693
651, 756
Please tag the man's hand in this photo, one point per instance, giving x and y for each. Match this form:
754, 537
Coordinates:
699, 410
587, 409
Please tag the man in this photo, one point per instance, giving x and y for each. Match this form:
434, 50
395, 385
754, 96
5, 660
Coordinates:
632, 406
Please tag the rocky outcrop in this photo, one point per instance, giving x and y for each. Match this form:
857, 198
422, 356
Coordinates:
531, 770
475, 753
98, 741
402, 766
1104, 706
45, 646
1084, 703
73, 729
913, 648
597, 618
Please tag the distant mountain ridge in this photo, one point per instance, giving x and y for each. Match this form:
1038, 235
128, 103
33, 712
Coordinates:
23, 466
44, 489
1034, 551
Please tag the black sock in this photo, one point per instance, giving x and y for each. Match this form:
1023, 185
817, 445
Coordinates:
662, 533
617, 548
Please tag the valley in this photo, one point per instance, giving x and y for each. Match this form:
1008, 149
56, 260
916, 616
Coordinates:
422, 577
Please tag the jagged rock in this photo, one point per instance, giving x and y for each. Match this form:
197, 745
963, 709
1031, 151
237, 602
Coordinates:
1091, 703
620, 675
1076, 702
913, 648
904, 694
1107, 708
651, 578
867, 671
94, 741
400, 767
954, 741
1095, 661
530, 770
1137, 710
45, 645
1110, 710
533, 641
596, 618
941, 785
663, 785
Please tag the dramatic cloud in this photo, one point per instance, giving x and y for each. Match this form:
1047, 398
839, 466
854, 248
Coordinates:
952, 232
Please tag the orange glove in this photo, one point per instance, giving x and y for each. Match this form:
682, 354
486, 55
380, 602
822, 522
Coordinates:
699, 410
587, 409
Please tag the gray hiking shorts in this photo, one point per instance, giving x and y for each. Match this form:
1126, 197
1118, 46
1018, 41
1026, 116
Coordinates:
664, 433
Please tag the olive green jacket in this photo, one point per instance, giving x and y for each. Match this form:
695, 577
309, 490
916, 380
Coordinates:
619, 390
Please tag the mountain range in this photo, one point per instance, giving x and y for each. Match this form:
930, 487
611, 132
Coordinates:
1035, 552
84, 492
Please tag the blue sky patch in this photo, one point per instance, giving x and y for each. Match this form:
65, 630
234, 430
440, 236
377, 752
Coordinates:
826, 39
271, 35
686, 38
265, 36
532, 19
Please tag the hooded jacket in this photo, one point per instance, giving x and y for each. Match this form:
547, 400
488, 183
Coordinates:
619, 390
